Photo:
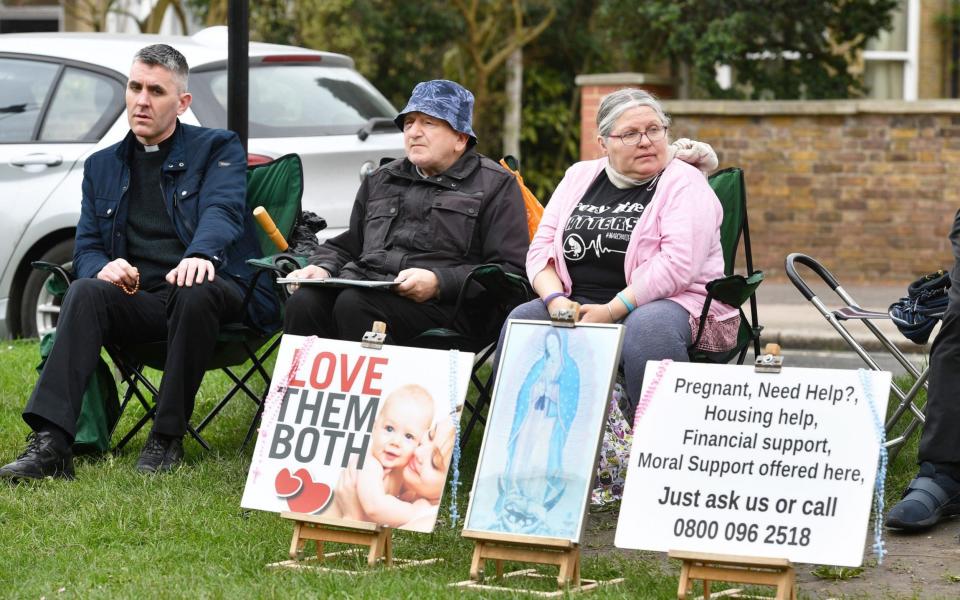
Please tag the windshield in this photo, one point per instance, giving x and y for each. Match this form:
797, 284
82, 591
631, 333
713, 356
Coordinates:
293, 100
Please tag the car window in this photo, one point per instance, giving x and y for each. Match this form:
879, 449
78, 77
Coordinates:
24, 84
84, 105
293, 100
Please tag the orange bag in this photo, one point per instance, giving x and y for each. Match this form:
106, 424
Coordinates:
533, 206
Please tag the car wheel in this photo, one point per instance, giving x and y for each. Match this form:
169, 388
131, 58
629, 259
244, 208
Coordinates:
39, 309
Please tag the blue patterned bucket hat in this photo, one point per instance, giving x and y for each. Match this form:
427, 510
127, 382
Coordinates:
445, 100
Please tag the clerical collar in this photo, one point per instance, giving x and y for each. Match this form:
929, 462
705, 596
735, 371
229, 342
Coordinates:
161, 147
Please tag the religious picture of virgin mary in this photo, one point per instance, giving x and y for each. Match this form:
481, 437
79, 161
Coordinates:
549, 404
533, 481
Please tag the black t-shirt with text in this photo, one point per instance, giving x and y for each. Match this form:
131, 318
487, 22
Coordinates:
596, 236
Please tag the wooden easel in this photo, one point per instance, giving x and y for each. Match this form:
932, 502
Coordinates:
777, 572
499, 547
376, 538
345, 531
520, 548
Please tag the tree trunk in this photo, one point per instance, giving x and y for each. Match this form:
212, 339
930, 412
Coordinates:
514, 104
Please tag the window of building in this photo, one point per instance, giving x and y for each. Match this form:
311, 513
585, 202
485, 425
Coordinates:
890, 59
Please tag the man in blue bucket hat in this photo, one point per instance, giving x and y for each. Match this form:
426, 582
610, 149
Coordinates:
424, 222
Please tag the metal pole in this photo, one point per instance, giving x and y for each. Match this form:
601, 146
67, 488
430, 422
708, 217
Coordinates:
238, 65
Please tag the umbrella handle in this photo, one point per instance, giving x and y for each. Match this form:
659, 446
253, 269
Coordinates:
270, 228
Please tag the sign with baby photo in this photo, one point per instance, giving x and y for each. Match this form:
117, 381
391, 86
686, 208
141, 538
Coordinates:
358, 433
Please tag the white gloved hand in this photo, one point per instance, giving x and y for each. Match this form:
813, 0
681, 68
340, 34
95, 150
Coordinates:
698, 154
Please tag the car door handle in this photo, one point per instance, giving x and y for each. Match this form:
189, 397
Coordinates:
50, 160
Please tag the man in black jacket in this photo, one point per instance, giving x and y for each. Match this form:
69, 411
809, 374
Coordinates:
935, 492
160, 255
423, 222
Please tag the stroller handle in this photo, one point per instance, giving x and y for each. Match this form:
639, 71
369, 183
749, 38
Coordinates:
813, 265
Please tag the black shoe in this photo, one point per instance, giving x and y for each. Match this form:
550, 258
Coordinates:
41, 459
930, 497
160, 453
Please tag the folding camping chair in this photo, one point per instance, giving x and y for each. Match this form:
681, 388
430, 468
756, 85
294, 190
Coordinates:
732, 289
277, 186
852, 311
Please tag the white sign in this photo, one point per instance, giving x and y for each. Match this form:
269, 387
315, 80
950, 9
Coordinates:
358, 434
729, 461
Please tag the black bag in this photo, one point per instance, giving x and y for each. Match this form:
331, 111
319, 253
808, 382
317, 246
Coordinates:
303, 241
916, 314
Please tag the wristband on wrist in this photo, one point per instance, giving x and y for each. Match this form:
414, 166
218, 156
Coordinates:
623, 298
613, 319
551, 297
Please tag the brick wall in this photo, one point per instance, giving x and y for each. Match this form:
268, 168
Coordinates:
869, 188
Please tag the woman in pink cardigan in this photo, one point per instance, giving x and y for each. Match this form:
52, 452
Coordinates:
634, 237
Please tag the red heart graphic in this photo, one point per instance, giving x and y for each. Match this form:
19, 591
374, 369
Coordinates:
304, 476
314, 497
288, 485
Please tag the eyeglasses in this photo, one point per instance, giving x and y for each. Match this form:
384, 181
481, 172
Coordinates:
632, 138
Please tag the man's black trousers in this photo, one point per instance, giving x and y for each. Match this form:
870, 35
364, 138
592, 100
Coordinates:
95, 313
346, 314
940, 442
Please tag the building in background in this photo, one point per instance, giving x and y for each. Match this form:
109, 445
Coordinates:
117, 16
867, 185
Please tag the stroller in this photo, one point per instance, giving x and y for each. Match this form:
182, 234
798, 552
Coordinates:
915, 324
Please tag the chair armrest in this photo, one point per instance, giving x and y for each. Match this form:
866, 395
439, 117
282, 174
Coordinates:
275, 265
503, 290
734, 290
506, 286
281, 264
62, 278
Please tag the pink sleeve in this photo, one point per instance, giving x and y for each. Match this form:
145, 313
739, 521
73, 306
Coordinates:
689, 228
541, 252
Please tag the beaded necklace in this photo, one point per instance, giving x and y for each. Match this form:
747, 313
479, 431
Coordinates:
878, 546
455, 415
128, 290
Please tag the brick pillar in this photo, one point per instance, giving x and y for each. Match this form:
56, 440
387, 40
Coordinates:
594, 87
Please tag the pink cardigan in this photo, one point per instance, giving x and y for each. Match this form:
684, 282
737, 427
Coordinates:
674, 250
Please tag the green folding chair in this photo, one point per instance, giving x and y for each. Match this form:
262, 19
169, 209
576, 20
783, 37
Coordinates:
732, 289
278, 187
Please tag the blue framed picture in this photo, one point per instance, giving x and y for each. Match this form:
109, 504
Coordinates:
543, 432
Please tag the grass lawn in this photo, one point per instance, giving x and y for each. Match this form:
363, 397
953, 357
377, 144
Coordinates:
114, 533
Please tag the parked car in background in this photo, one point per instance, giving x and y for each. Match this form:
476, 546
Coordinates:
62, 98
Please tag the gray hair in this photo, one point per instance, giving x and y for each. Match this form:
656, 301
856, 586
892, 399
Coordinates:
616, 103
168, 57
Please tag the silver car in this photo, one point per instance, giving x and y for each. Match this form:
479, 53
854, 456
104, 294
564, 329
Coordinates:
62, 98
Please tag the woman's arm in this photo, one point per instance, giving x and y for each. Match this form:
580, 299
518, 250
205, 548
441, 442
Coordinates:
547, 282
610, 312
570, 189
